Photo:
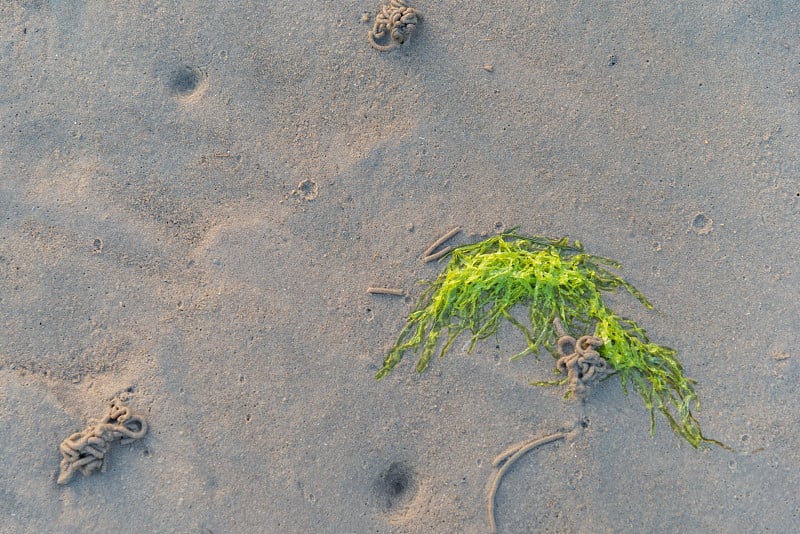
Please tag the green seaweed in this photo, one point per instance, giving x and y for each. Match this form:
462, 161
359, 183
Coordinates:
554, 279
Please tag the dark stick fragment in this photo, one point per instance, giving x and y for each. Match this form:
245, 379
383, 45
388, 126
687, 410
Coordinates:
386, 291
433, 257
440, 241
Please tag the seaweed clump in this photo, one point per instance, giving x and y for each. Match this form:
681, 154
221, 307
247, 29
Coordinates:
560, 284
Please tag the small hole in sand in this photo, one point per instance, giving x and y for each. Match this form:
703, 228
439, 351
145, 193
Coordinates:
394, 485
702, 224
186, 81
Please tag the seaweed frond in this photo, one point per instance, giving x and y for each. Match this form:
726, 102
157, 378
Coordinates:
554, 279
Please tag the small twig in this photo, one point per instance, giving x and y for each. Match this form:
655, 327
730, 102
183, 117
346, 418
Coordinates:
432, 257
558, 326
440, 241
386, 291
505, 460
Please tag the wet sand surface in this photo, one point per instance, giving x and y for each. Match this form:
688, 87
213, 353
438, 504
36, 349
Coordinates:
195, 198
